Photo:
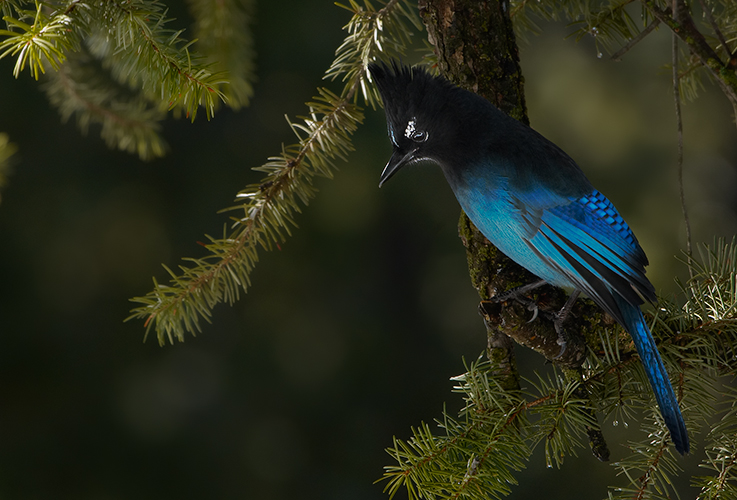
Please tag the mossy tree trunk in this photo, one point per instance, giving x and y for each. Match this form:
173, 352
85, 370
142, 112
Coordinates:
477, 50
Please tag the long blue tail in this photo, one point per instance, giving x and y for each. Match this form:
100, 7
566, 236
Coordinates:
637, 328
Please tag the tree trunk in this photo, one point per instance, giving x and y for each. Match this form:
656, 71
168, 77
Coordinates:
477, 50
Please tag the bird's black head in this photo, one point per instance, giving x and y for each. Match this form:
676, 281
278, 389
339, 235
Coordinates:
419, 113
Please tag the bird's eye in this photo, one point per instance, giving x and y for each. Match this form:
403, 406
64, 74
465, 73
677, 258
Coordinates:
413, 133
419, 136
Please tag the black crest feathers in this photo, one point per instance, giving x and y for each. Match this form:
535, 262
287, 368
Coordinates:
408, 91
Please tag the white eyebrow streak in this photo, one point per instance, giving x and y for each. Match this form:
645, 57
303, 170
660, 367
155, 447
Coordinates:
411, 127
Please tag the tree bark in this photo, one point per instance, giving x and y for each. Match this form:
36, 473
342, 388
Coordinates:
476, 49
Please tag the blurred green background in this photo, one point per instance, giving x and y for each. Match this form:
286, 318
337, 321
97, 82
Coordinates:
350, 332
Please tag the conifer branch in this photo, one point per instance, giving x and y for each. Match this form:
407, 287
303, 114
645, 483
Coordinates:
384, 31
269, 207
686, 29
45, 41
129, 122
698, 341
721, 455
128, 40
617, 56
610, 24
223, 32
477, 453
139, 50
707, 10
648, 469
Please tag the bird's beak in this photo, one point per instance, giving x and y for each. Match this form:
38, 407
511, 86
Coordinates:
397, 161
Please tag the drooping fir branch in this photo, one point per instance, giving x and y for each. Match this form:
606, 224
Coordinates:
268, 208
7, 149
475, 455
124, 44
223, 32
129, 122
131, 39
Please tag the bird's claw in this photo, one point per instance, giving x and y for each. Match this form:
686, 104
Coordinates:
563, 345
518, 294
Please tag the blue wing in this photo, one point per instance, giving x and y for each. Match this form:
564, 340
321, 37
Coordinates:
591, 247
589, 243
578, 241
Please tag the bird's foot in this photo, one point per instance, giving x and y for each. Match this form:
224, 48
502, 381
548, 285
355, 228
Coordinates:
518, 294
528, 304
560, 318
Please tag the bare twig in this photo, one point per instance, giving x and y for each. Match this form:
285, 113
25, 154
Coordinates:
679, 124
687, 31
715, 26
617, 56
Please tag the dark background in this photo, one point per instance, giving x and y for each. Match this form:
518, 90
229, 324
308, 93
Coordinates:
350, 332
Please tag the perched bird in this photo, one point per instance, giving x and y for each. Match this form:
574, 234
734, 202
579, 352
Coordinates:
531, 200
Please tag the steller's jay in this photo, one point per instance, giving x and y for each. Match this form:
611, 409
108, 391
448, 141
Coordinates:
531, 200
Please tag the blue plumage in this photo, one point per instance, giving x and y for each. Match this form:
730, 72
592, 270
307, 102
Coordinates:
531, 200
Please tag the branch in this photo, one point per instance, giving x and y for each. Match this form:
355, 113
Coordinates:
269, 206
129, 122
617, 56
137, 48
43, 42
223, 32
679, 129
687, 31
268, 213
476, 455
720, 36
